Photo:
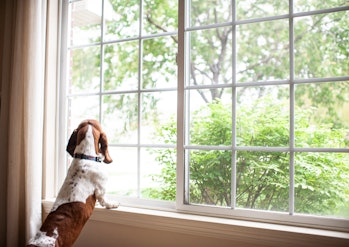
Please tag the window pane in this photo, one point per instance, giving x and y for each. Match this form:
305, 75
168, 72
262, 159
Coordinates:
86, 18
210, 122
263, 51
121, 66
322, 115
122, 172
210, 177
158, 121
120, 117
321, 184
321, 45
263, 116
209, 12
210, 56
121, 19
160, 16
159, 62
84, 70
262, 180
247, 9
81, 108
158, 173
309, 5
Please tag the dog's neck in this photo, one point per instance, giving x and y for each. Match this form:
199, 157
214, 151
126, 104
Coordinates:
87, 145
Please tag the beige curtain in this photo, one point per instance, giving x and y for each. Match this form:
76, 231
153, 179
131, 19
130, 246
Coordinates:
22, 120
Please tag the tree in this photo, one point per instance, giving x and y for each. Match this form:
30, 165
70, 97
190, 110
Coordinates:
321, 179
321, 50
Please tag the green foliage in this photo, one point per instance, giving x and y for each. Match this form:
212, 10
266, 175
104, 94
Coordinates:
321, 50
322, 183
263, 123
321, 45
167, 159
210, 177
321, 179
85, 68
262, 180
211, 125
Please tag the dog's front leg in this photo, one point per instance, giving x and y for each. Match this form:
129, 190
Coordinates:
100, 195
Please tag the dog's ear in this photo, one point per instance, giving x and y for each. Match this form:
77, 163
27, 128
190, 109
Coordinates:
72, 143
104, 148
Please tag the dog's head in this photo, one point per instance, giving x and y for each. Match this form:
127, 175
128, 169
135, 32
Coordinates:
101, 142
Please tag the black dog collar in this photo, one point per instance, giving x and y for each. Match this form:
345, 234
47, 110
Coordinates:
87, 157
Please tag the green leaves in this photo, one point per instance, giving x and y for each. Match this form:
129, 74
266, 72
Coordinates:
321, 183
263, 178
212, 125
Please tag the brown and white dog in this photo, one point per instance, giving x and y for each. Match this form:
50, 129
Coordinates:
83, 185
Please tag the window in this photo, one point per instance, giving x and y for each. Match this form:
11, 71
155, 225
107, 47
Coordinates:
234, 108
122, 70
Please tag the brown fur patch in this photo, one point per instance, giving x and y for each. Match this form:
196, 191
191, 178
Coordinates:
68, 219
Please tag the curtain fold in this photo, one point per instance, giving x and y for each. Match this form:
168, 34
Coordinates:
22, 118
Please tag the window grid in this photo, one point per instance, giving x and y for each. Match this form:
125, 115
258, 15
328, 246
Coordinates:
139, 37
183, 200
185, 88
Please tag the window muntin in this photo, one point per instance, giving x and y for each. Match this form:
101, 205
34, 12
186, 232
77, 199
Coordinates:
245, 68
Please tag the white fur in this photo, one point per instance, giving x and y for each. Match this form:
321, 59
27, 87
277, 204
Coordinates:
42, 240
84, 177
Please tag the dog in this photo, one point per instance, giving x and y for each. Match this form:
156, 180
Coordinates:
83, 186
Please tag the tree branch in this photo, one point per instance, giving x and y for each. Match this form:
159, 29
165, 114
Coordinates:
151, 21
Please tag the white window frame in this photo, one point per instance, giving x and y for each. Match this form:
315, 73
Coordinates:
182, 170
181, 205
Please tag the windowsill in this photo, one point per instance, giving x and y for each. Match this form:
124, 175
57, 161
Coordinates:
238, 230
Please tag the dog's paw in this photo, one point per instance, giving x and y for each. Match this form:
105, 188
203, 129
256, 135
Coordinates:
111, 205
